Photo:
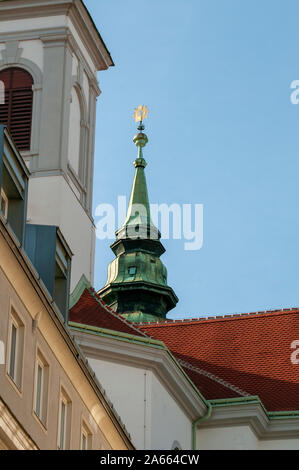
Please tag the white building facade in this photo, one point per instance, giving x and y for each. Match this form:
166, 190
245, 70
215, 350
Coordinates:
57, 43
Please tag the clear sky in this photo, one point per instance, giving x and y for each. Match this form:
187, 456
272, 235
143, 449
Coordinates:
222, 132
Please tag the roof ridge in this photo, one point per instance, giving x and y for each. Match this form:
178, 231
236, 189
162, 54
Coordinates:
213, 377
220, 317
109, 310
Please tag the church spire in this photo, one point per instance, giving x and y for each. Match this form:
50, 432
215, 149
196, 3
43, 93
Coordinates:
138, 220
137, 279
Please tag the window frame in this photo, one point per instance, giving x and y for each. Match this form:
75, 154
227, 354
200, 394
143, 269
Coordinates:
42, 363
65, 401
15, 320
3, 197
85, 432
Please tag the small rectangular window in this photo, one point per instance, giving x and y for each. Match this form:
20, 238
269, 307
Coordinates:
62, 428
15, 351
41, 388
64, 422
4, 203
132, 270
84, 441
86, 438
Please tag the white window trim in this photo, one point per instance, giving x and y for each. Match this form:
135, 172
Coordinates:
16, 320
14, 323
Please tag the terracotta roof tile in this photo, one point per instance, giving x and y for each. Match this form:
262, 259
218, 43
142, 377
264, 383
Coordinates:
252, 352
91, 310
225, 357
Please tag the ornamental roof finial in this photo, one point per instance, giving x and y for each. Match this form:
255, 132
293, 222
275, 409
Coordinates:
140, 114
140, 139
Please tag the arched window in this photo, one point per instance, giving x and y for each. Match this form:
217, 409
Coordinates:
75, 132
16, 113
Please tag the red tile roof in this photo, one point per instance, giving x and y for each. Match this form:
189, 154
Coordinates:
91, 310
225, 357
251, 352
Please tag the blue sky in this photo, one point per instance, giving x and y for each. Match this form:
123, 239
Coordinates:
222, 132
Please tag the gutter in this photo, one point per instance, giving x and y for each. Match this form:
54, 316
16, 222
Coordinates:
200, 420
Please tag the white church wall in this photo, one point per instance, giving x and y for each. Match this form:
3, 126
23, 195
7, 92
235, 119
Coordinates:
169, 423
75, 65
51, 201
226, 438
127, 388
151, 415
240, 438
33, 50
281, 444
82, 47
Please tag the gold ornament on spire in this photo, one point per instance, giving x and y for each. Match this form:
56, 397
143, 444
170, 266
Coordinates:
140, 113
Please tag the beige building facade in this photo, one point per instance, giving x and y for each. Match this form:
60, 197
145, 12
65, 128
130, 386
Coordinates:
49, 397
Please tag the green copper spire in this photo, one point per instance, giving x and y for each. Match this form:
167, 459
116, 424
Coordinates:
138, 222
137, 286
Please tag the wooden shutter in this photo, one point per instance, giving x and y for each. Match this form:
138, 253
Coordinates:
16, 113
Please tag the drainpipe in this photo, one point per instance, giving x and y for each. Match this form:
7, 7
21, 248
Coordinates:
200, 420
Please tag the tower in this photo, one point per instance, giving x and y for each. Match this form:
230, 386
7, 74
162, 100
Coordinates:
137, 287
50, 52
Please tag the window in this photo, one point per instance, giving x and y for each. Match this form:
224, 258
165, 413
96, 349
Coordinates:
4, 203
75, 132
132, 270
13, 351
86, 438
41, 388
16, 345
83, 441
64, 422
16, 112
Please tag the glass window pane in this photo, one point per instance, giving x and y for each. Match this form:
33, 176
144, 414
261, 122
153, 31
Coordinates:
62, 425
13, 348
83, 441
38, 390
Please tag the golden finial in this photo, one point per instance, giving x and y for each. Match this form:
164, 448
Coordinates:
140, 113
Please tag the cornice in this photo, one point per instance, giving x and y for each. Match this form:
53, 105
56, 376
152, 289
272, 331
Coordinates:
250, 411
75, 11
144, 354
